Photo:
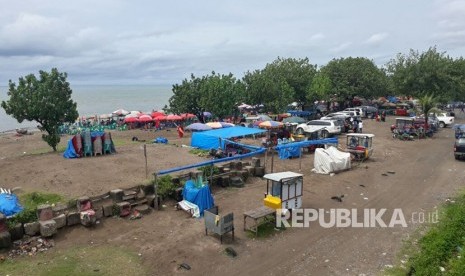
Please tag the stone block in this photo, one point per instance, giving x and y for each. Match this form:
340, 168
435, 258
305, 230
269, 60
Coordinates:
83, 203
5, 240
236, 182
250, 169
255, 162
124, 208
73, 218
44, 212
98, 212
149, 189
107, 210
17, 232
48, 228
117, 195
3, 225
260, 171
88, 218
151, 200
60, 221
59, 209
143, 209
32, 228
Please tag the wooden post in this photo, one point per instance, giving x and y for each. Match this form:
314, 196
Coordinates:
145, 155
155, 186
211, 175
272, 160
300, 159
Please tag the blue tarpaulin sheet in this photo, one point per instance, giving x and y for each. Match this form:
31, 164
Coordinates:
70, 152
300, 113
201, 197
161, 140
289, 150
211, 139
9, 205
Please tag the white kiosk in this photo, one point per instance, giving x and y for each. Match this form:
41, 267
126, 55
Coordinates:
283, 190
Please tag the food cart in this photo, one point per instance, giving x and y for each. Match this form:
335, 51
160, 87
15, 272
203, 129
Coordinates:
360, 145
283, 190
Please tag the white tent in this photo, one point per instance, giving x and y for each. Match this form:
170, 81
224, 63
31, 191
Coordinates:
331, 160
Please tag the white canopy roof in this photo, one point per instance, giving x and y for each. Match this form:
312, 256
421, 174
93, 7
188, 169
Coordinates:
281, 175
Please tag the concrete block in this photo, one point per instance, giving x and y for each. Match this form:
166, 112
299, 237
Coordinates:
124, 208
88, 218
260, 171
255, 162
32, 228
73, 218
107, 210
5, 240
117, 195
3, 225
17, 232
150, 200
143, 209
48, 228
83, 203
44, 212
98, 212
59, 209
149, 189
60, 221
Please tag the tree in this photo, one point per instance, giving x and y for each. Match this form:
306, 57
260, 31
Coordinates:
218, 94
264, 87
427, 102
430, 72
46, 100
297, 73
355, 77
320, 88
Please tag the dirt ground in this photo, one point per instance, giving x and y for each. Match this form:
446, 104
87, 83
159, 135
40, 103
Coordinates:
426, 174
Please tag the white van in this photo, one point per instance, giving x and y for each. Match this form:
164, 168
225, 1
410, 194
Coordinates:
359, 111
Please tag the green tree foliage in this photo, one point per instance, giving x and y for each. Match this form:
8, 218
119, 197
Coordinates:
428, 73
264, 87
46, 100
218, 94
427, 102
320, 88
355, 77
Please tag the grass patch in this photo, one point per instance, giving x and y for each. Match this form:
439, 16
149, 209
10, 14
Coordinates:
30, 201
200, 152
441, 246
44, 150
119, 142
101, 260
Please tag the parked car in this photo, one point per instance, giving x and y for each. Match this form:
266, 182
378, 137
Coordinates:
459, 148
444, 119
326, 127
358, 110
342, 118
370, 111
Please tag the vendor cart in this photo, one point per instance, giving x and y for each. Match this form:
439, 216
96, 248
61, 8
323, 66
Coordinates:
360, 145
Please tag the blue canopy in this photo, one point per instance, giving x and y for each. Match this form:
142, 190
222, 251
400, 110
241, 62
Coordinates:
201, 197
300, 113
211, 139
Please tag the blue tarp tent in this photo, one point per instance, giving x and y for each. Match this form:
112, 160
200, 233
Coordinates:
211, 139
201, 197
9, 204
289, 150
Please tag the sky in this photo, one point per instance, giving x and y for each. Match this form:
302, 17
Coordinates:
164, 42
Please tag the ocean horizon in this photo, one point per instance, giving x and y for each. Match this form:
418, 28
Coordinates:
101, 99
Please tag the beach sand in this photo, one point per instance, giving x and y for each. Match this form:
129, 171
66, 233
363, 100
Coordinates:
425, 175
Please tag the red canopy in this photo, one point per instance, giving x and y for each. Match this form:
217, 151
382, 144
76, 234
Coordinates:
160, 118
188, 115
156, 114
131, 119
145, 118
173, 117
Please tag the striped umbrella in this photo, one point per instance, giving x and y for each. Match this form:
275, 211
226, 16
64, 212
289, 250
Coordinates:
173, 117
145, 118
270, 124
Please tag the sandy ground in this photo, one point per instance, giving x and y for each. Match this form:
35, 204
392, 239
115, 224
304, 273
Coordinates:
426, 174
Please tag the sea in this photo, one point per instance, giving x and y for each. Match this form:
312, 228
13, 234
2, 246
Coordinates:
101, 99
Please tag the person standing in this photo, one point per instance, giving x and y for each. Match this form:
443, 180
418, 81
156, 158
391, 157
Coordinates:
360, 126
180, 131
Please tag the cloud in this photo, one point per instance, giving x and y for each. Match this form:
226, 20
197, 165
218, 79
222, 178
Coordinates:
450, 23
341, 47
376, 39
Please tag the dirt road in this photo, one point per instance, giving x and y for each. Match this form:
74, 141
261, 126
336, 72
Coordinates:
425, 175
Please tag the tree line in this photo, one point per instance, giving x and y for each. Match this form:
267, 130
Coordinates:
431, 75
286, 80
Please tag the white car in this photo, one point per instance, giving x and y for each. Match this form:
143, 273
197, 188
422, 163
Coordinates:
444, 119
335, 115
326, 127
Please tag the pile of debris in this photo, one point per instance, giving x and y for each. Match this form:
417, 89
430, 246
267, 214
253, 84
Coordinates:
30, 246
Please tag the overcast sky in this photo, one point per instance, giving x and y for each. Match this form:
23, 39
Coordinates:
163, 42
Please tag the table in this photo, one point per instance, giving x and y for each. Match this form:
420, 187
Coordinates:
259, 216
